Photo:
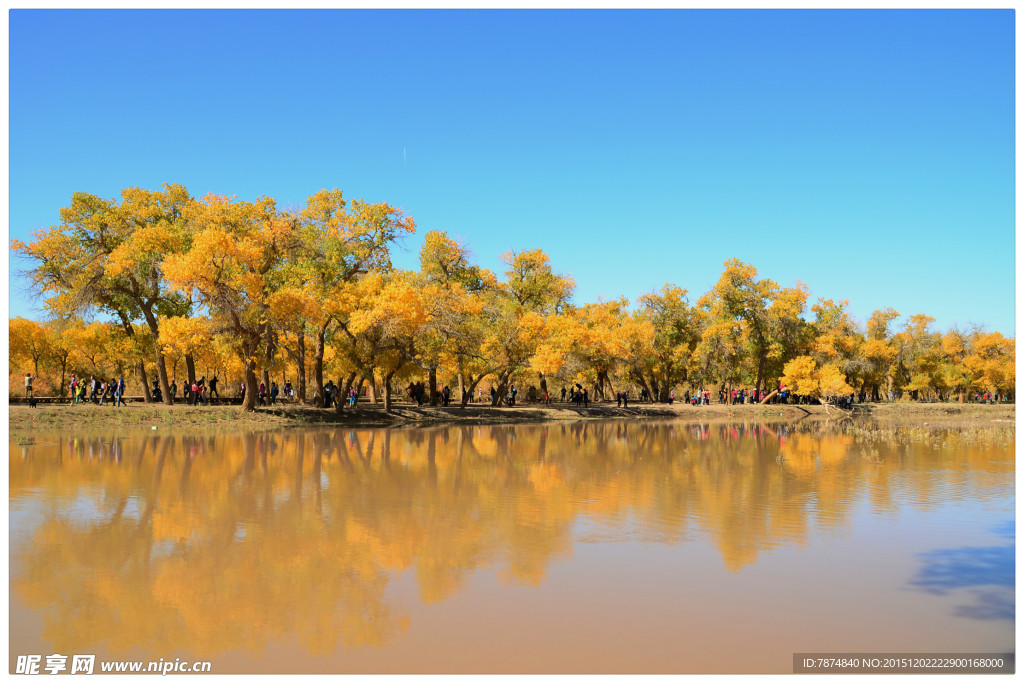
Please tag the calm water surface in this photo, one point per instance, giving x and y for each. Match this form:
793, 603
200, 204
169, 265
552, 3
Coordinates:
598, 547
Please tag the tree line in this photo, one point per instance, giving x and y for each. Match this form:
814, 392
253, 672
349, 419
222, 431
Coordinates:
254, 291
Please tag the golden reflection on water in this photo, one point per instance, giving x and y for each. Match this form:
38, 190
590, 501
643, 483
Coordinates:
233, 542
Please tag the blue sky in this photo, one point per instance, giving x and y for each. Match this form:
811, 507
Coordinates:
868, 154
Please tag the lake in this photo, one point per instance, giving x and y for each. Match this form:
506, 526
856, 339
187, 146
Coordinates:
585, 547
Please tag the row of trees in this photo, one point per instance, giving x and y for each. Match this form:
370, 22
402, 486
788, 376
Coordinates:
248, 288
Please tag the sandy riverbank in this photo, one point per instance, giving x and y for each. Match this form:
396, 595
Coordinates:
24, 419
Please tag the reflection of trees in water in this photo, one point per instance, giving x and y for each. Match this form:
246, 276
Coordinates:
225, 555
212, 543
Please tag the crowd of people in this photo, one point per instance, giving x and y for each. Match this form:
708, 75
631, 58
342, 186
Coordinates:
97, 391
106, 391
199, 391
332, 394
269, 395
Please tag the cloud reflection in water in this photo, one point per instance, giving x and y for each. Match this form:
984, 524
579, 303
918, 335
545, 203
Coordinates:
986, 572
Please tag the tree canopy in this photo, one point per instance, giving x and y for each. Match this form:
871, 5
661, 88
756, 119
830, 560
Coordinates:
161, 282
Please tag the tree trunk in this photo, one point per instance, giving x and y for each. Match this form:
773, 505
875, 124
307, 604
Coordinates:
611, 387
318, 365
502, 389
300, 381
468, 394
161, 372
140, 369
190, 368
268, 358
387, 392
462, 387
373, 387
161, 367
357, 383
760, 371
343, 388
249, 403
655, 388
301, 365
432, 382
646, 387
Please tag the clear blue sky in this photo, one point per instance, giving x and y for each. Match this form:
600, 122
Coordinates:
869, 154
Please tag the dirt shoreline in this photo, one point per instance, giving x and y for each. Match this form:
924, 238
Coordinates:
24, 419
